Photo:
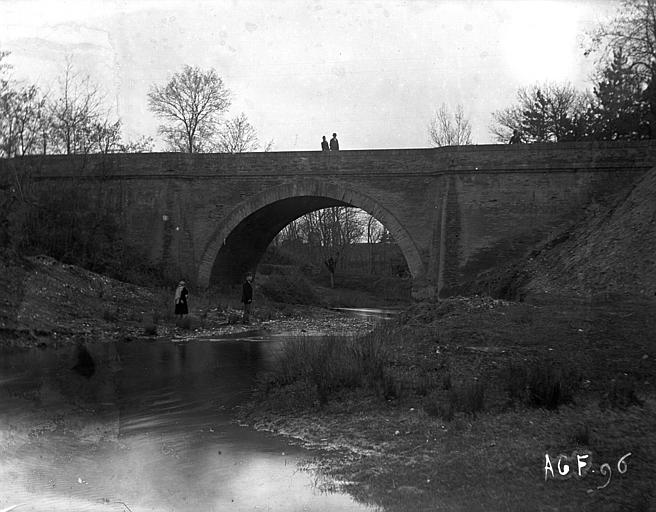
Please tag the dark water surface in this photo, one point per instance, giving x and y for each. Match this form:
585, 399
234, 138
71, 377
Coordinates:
146, 426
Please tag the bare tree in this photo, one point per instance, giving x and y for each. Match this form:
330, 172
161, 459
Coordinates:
238, 136
447, 130
325, 235
74, 112
633, 31
375, 232
22, 114
141, 145
6, 94
106, 136
191, 104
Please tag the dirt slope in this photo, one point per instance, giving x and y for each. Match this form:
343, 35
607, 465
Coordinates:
41, 298
612, 251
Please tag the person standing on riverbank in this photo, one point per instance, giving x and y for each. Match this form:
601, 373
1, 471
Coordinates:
180, 300
247, 298
324, 144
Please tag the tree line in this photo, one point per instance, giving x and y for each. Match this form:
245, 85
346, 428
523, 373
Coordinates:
72, 116
329, 233
621, 104
69, 118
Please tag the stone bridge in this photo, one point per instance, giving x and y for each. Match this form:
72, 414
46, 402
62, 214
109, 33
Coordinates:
453, 211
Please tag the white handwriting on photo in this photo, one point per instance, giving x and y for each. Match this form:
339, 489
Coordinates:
579, 464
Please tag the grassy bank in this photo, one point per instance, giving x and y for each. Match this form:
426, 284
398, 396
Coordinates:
456, 406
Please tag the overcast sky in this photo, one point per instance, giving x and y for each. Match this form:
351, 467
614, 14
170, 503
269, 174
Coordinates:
372, 71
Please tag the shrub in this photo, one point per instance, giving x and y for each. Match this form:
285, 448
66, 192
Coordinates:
150, 329
290, 289
424, 382
389, 385
331, 364
582, 435
110, 315
621, 393
68, 224
468, 397
432, 405
541, 384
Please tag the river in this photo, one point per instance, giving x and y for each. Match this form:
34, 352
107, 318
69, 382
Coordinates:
147, 426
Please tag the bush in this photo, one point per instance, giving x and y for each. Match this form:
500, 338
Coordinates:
432, 405
621, 393
331, 364
541, 384
468, 397
150, 329
389, 385
110, 315
290, 289
582, 435
71, 226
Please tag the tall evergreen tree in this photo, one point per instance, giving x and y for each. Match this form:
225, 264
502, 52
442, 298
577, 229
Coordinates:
621, 105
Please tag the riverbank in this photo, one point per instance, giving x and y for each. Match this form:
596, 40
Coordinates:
45, 303
475, 394
452, 422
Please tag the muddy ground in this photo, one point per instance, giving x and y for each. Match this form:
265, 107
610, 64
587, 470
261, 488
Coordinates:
46, 303
406, 453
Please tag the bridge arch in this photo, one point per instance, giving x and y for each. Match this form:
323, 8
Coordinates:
241, 238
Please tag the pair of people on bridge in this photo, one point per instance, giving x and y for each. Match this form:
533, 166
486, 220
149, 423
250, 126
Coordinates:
333, 146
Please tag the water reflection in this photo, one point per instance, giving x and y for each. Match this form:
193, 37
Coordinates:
150, 428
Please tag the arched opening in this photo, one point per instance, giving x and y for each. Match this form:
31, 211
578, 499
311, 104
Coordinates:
245, 245
242, 238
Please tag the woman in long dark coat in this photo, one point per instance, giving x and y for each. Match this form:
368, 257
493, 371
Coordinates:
181, 293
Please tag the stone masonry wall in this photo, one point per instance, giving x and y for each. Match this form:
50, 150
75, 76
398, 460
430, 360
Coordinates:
453, 211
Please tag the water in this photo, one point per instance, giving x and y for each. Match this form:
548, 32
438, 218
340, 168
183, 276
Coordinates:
376, 313
146, 426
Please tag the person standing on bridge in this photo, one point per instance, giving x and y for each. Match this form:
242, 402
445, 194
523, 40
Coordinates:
324, 144
180, 300
247, 298
334, 143
516, 138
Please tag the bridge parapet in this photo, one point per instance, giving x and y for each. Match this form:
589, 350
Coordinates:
459, 159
